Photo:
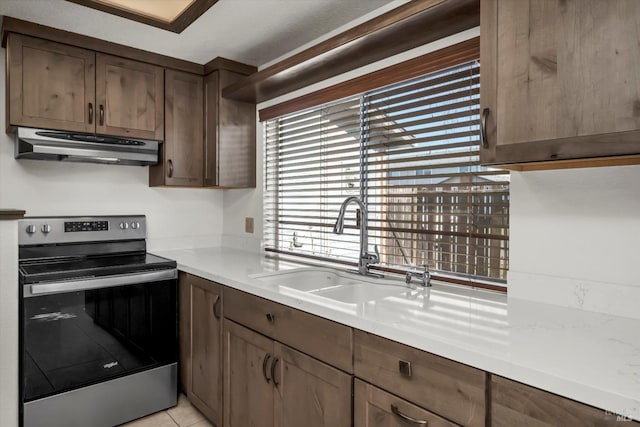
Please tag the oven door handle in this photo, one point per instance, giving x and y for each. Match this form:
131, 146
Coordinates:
99, 282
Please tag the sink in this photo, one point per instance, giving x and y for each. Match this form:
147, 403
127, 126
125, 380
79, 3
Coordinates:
337, 285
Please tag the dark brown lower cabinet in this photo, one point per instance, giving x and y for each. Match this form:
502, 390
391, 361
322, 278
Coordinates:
516, 404
201, 344
374, 407
247, 365
269, 384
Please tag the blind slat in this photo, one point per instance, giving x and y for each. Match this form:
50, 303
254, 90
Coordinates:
429, 200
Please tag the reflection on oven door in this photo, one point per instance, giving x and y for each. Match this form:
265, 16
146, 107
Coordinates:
79, 338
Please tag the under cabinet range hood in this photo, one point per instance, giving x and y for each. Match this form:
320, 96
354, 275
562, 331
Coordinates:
42, 144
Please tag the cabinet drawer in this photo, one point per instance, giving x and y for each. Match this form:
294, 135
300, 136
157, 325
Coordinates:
313, 335
516, 404
450, 389
374, 407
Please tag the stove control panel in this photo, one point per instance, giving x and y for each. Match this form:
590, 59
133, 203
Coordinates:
74, 226
43, 230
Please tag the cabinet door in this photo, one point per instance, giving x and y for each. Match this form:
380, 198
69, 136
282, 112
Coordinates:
181, 161
560, 79
374, 407
308, 392
248, 388
130, 98
230, 135
206, 348
50, 85
516, 404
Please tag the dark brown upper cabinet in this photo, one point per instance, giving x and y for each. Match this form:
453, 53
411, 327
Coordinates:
210, 141
49, 85
56, 86
230, 135
559, 83
180, 162
130, 98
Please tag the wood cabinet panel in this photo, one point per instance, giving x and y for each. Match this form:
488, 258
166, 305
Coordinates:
211, 109
247, 385
516, 404
206, 348
50, 85
560, 79
291, 327
181, 161
310, 393
130, 98
447, 388
184, 330
230, 135
374, 407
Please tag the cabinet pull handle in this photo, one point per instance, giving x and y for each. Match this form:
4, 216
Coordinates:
270, 317
101, 115
405, 368
406, 417
216, 305
273, 371
170, 175
483, 127
264, 367
90, 113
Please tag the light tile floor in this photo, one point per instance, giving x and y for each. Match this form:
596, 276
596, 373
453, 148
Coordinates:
182, 415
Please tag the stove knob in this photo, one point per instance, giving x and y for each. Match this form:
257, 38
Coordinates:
135, 225
31, 229
124, 225
46, 229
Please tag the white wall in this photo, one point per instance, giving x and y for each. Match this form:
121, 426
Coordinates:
176, 217
8, 324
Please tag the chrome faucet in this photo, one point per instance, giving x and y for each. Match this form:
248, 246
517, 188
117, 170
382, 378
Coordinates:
424, 276
366, 258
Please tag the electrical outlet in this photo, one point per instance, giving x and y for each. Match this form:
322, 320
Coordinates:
248, 225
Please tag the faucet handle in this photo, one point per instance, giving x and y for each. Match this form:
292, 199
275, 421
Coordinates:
426, 275
372, 258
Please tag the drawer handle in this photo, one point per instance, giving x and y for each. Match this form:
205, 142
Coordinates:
90, 113
216, 307
170, 168
406, 417
273, 371
405, 368
264, 367
483, 127
270, 317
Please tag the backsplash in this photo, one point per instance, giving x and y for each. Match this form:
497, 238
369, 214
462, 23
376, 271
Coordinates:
574, 238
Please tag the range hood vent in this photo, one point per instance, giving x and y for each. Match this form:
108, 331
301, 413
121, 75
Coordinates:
41, 144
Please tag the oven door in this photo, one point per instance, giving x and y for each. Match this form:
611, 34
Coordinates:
83, 332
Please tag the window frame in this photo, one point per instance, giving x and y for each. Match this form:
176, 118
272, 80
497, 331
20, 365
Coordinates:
457, 54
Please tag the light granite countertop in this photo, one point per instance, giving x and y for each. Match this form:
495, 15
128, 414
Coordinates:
590, 357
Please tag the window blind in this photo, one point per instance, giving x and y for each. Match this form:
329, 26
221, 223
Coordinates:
411, 152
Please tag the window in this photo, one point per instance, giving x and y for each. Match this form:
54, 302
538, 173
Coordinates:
410, 151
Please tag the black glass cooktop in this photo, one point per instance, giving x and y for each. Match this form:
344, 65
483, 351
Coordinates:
35, 271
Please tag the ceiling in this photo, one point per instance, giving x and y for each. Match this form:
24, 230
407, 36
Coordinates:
250, 31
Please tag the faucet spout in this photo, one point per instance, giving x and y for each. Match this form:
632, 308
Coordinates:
366, 258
